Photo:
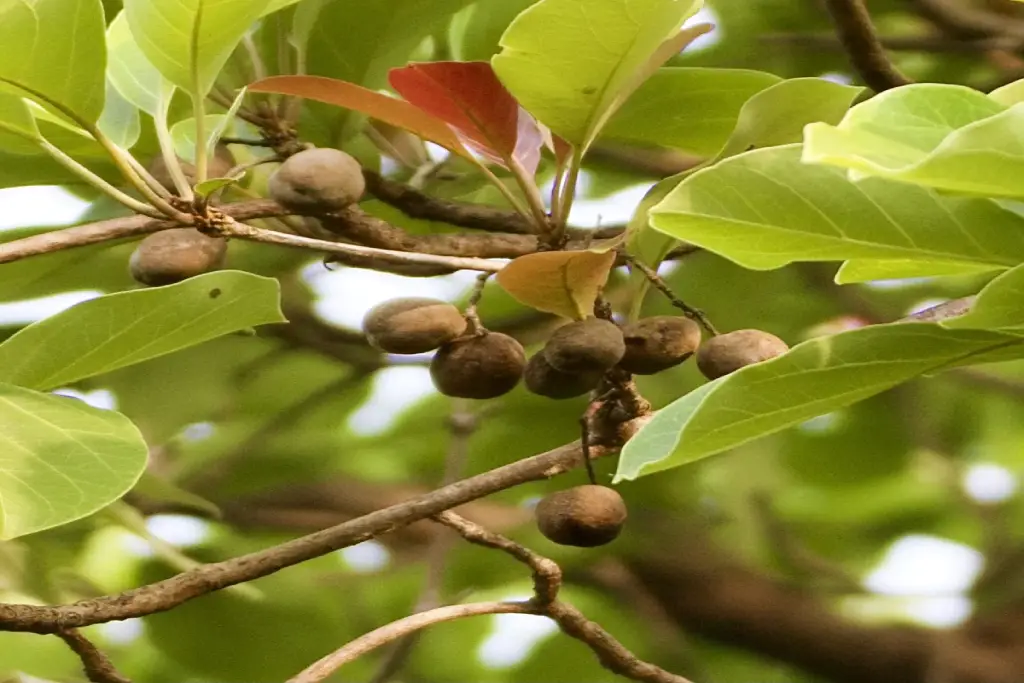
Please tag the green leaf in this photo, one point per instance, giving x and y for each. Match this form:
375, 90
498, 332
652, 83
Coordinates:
572, 64
814, 378
120, 119
388, 32
687, 108
54, 53
474, 32
208, 187
867, 270
1009, 94
131, 72
778, 114
18, 129
190, 40
120, 329
765, 209
183, 134
18, 170
942, 136
62, 460
999, 306
775, 115
275, 5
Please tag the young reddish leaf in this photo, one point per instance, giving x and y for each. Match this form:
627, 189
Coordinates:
562, 149
351, 96
471, 99
562, 282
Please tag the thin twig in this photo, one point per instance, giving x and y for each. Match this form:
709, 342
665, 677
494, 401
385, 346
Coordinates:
547, 577
326, 666
169, 593
248, 142
97, 666
585, 445
472, 317
659, 284
254, 234
858, 36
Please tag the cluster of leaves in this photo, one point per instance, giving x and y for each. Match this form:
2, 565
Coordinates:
921, 181
918, 181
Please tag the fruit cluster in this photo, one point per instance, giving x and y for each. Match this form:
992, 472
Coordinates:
320, 179
472, 362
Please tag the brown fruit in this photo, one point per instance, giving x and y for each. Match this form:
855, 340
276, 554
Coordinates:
585, 346
544, 380
583, 516
174, 255
218, 166
729, 352
483, 366
320, 178
658, 343
413, 325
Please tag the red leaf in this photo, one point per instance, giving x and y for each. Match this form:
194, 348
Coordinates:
471, 99
357, 98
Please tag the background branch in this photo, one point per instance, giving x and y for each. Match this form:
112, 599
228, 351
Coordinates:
858, 36
98, 668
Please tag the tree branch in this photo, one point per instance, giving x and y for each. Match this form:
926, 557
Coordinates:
164, 595
968, 21
355, 224
858, 36
98, 668
380, 244
547, 579
120, 228
416, 204
709, 595
370, 255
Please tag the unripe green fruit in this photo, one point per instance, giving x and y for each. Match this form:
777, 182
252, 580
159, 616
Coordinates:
317, 179
583, 516
658, 343
174, 255
413, 325
727, 353
585, 346
481, 367
543, 380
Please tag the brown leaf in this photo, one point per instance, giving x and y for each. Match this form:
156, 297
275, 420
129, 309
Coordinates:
562, 282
